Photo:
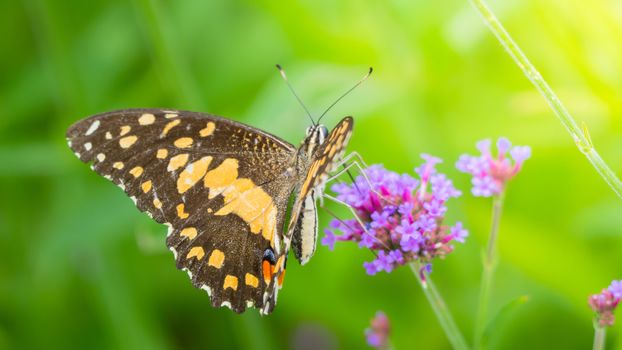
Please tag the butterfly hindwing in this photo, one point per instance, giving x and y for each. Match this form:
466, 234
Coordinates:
216, 183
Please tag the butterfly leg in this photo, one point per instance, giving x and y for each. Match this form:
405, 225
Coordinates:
348, 162
356, 217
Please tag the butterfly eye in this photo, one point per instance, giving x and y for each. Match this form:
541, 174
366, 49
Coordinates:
323, 133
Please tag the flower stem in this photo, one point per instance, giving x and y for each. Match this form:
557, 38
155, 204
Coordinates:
440, 309
580, 137
599, 337
489, 264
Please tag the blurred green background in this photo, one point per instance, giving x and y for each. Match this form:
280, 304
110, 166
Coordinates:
80, 267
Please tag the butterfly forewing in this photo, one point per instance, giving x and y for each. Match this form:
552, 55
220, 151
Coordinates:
218, 184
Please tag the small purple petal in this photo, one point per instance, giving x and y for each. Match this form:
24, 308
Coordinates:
458, 232
503, 145
484, 147
616, 289
329, 239
520, 153
410, 243
483, 187
370, 268
367, 240
426, 223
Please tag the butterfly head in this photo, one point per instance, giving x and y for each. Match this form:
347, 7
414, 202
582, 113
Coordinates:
316, 134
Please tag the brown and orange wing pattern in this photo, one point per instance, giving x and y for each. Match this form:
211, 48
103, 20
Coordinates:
216, 183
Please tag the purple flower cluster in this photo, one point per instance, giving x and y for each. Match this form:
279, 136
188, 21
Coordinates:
378, 334
605, 303
399, 218
490, 174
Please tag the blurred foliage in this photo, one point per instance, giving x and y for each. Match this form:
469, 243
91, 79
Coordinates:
80, 267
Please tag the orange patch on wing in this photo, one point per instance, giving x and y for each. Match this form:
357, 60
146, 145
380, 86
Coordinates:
177, 162
197, 252
146, 186
251, 280
267, 271
183, 142
136, 171
162, 153
208, 130
242, 197
169, 126
180, 211
157, 203
146, 119
281, 278
216, 259
252, 204
230, 282
189, 232
221, 177
128, 141
193, 173
124, 130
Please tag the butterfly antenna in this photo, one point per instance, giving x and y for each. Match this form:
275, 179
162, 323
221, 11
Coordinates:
278, 66
346, 93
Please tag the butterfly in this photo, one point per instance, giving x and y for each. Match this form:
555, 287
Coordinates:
223, 189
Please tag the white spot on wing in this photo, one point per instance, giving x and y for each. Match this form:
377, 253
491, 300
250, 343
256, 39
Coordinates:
227, 304
188, 272
101, 157
174, 252
206, 288
92, 128
88, 146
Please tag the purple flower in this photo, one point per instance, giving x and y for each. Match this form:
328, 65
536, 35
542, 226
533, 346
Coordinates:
370, 268
367, 240
616, 289
458, 233
426, 223
484, 186
380, 220
435, 208
384, 261
401, 218
329, 239
491, 173
377, 334
605, 303
410, 243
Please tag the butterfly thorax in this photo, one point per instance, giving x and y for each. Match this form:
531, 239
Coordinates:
315, 136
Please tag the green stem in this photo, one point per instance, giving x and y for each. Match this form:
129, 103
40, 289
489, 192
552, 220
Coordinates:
599, 337
440, 309
580, 137
489, 265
